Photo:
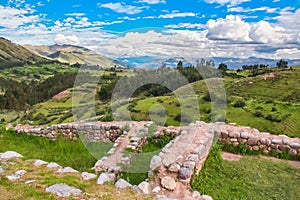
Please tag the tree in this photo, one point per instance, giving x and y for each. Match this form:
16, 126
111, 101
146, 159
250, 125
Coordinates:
180, 65
223, 67
282, 64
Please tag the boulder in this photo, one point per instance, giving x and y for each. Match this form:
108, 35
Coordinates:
87, 176
155, 162
156, 189
145, 187
1, 170
38, 163
63, 190
121, 183
53, 165
17, 175
168, 183
196, 194
175, 167
106, 177
185, 173
66, 170
10, 155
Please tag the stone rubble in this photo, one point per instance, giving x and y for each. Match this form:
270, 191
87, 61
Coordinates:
63, 190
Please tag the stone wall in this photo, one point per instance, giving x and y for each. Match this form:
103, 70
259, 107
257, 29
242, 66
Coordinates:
256, 140
92, 132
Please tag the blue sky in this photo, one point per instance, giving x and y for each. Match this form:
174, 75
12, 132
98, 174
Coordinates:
159, 28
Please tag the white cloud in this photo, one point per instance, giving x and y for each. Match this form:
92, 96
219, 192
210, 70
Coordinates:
66, 39
231, 28
241, 9
152, 1
186, 25
289, 20
75, 14
264, 32
122, 8
223, 2
292, 53
177, 14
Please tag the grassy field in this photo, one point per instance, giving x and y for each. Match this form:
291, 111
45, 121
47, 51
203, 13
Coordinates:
250, 178
62, 151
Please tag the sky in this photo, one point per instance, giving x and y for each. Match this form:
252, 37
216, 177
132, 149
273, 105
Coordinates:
159, 28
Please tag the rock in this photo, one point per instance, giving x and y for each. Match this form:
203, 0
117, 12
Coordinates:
121, 183
156, 189
206, 197
234, 134
295, 145
137, 189
17, 175
87, 176
66, 170
155, 162
274, 141
167, 162
163, 197
189, 164
196, 194
10, 155
185, 173
245, 135
1, 170
169, 183
175, 167
193, 157
145, 187
63, 190
38, 163
53, 165
29, 182
106, 177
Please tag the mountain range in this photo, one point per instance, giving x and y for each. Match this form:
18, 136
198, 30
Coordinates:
14, 54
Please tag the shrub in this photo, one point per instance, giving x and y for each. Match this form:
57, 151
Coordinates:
239, 104
273, 118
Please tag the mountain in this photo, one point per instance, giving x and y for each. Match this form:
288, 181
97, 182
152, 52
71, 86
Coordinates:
13, 54
232, 63
73, 54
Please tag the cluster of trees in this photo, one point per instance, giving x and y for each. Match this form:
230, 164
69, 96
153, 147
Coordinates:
22, 95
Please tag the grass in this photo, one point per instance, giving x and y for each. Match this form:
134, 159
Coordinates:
45, 177
62, 151
250, 178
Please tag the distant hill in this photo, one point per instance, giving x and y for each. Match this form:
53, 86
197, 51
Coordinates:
72, 55
12, 54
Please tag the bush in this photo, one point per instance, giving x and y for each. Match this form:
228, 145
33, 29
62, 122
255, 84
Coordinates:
273, 118
239, 104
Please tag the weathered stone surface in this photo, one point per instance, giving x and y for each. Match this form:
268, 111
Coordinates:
17, 175
30, 182
196, 194
206, 197
245, 135
155, 162
38, 163
185, 173
66, 170
53, 165
234, 134
121, 183
1, 170
156, 189
87, 176
175, 167
106, 177
295, 145
145, 187
63, 190
10, 155
163, 197
168, 183
189, 164
275, 141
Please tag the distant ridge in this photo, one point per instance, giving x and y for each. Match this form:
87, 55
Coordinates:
14, 54
73, 54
